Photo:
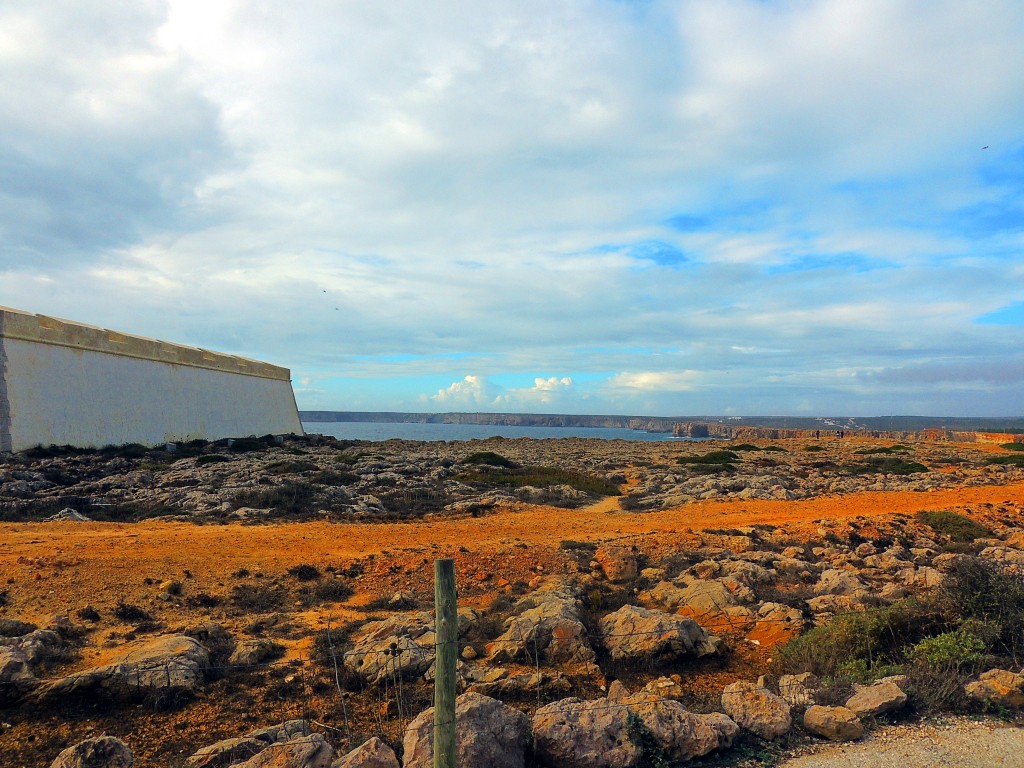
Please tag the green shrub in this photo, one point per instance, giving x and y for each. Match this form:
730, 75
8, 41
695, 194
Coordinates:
258, 598
541, 477
289, 467
956, 526
877, 638
211, 458
990, 600
490, 459
1013, 446
745, 447
889, 465
948, 651
712, 457
332, 478
1016, 460
304, 572
289, 498
813, 448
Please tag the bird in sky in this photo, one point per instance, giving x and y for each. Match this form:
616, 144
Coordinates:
985, 147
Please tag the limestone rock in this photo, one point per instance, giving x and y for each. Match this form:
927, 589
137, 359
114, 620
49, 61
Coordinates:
102, 752
639, 633
877, 699
836, 582
756, 709
395, 647
370, 754
681, 734
301, 751
835, 723
251, 652
166, 665
16, 677
584, 734
1000, 687
552, 629
618, 563
487, 732
798, 690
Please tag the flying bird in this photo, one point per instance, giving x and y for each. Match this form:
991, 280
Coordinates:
985, 147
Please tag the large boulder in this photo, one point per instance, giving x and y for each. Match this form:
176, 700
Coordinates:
16, 677
701, 596
638, 633
171, 665
609, 732
373, 753
834, 723
101, 752
301, 751
872, 700
836, 582
392, 648
681, 734
757, 709
585, 734
241, 748
487, 732
999, 687
798, 690
548, 627
618, 563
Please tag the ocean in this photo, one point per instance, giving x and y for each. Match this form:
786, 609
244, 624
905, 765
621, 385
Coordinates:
360, 430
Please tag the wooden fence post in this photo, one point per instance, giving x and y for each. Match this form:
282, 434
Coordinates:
446, 626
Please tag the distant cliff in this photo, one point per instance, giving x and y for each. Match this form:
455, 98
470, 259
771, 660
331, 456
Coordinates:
730, 432
644, 423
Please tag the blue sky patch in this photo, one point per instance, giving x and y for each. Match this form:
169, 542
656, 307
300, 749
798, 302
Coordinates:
1011, 314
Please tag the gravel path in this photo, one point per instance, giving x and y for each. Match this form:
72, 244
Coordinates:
955, 743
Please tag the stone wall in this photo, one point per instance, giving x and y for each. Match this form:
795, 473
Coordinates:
65, 383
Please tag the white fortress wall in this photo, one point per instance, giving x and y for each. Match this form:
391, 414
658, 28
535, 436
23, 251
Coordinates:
65, 383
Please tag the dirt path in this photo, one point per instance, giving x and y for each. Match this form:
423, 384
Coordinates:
960, 743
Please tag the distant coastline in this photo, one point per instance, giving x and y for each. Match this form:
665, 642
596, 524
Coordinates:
668, 423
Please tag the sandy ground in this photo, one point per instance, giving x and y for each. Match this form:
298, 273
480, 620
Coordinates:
959, 743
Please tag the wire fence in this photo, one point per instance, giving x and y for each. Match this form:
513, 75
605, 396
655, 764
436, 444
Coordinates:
386, 702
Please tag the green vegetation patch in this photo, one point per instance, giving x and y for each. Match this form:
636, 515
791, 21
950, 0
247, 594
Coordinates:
1013, 446
288, 499
712, 457
1012, 460
540, 477
490, 459
211, 458
886, 451
813, 448
956, 526
889, 465
746, 447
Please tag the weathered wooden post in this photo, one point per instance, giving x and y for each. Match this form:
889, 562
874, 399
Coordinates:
446, 626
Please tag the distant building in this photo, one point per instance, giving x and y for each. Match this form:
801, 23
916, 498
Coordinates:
64, 383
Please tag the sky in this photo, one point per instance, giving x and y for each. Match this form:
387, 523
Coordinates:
713, 207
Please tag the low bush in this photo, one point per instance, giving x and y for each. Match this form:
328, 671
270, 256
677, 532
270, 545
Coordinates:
990, 600
288, 499
304, 572
541, 477
130, 613
813, 448
289, 467
956, 526
889, 465
1014, 460
490, 459
258, 598
712, 457
1013, 446
332, 478
211, 458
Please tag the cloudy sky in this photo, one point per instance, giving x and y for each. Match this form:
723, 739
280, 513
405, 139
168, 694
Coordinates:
580, 206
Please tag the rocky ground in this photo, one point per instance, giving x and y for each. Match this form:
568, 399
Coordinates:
262, 601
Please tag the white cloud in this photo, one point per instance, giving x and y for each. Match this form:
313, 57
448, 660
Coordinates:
400, 189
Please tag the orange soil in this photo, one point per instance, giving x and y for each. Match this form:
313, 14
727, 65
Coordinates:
62, 566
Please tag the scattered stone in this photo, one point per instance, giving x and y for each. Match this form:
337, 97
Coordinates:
301, 751
999, 687
798, 690
618, 563
102, 752
632, 633
166, 665
877, 699
834, 723
252, 652
552, 628
67, 515
370, 754
487, 733
757, 709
